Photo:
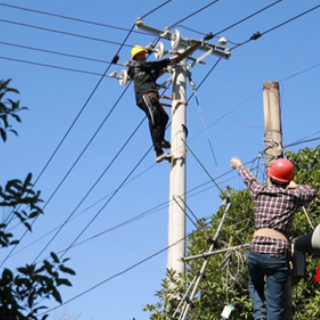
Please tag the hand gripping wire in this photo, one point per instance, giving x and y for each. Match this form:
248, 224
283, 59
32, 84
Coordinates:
187, 301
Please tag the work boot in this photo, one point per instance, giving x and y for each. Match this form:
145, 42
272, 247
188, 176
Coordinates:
165, 144
163, 156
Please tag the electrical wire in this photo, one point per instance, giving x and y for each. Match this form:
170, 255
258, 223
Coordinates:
157, 8
236, 23
115, 275
302, 142
249, 17
118, 259
135, 218
77, 20
82, 212
252, 96
64, 33
159, 207
204, 124
139, 216
67, 133
52, 66
54, 52
299, 73
195, 12
71, 18
93, 186
121, 185
265, 32
295, 75
258, 35
108, 201
119, 273
203, 167
282, 24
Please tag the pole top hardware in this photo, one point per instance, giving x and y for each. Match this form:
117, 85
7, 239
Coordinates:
177, 40
122, 77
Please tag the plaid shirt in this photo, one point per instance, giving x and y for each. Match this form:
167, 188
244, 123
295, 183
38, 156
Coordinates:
274, 208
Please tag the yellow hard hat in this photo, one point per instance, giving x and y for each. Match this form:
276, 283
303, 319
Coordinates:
137, 49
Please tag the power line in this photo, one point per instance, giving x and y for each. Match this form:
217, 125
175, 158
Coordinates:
53, 52
138, 217
157, 8
64, 32
268, 31
81, 20
142, 215
236, 23
120, 273
252, 96
115, 276
299, 73
54, 67
195, 12
258, 35
82, 212
248, 17
108, 201
92, 187
67, 133
302, 141
260, 91
109, 165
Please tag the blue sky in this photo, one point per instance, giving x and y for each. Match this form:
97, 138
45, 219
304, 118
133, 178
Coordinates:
231, 104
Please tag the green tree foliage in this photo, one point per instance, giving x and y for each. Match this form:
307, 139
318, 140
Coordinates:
23, 290
226, 279
8, 109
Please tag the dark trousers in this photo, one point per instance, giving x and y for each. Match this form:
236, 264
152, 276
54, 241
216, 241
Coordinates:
271, 270
158, 120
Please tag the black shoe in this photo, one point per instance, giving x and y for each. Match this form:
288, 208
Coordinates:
165, 144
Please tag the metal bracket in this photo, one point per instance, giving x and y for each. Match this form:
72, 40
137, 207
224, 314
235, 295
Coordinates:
177, 40
198, 60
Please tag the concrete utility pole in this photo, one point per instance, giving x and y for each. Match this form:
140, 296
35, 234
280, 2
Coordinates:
177, 190
185, 47
274, 150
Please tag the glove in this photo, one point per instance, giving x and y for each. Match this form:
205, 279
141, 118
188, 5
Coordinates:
128, 63
235, 163
292, 185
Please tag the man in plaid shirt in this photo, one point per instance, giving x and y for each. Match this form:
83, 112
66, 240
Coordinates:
268, 255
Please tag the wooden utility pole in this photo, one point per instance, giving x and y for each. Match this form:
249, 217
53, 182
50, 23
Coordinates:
274, 150
272, 122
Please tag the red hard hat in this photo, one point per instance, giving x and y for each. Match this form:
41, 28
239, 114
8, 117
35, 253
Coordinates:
281, 170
